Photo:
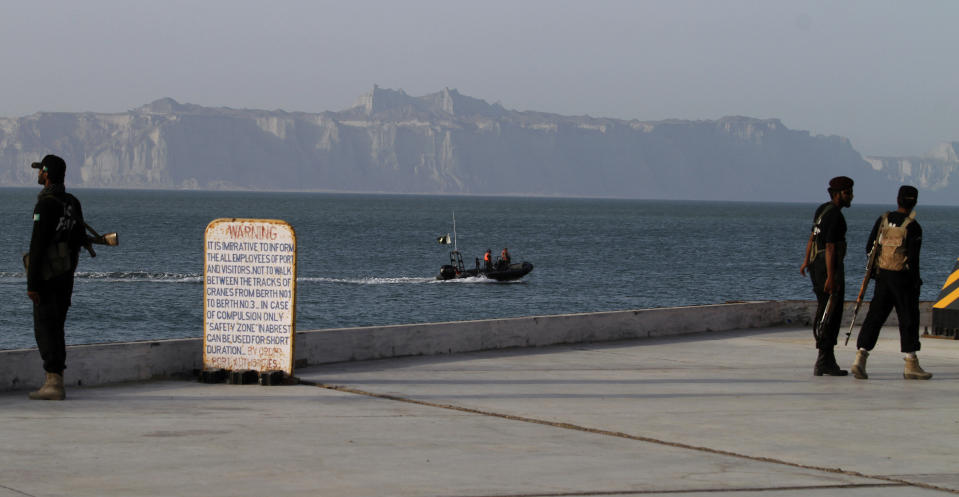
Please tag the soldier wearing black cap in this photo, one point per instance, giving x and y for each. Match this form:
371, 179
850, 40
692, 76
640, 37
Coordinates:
824, 256
897, 284
58, 234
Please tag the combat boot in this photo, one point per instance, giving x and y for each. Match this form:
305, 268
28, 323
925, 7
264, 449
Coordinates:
52, 389
859, 366
913, 371
826, 364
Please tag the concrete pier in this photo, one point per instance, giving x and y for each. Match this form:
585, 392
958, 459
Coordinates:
100, 364
732, 412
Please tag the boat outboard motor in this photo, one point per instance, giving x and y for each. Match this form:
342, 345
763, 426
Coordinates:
447, 272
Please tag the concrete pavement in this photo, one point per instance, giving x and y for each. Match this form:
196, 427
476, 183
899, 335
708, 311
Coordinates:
737, 413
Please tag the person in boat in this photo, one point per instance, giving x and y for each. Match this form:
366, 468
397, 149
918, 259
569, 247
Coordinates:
488, 259
824, 256
504, 258
897, 285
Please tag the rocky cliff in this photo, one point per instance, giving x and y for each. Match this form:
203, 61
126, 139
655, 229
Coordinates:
932, 171
444, 142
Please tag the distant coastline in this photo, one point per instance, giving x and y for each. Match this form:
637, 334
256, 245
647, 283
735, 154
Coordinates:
449, 143
345, 194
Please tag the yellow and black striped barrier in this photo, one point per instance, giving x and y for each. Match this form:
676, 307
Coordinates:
945, 312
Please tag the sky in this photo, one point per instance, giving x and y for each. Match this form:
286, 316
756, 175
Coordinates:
881, 73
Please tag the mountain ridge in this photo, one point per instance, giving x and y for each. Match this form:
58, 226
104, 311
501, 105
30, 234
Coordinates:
449, 143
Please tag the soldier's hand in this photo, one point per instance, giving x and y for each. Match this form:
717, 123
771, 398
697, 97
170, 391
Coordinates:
802, 269
34, 296
828, 287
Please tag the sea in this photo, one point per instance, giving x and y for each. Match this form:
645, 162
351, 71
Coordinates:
365, 259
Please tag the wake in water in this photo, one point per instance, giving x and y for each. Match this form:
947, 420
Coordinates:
140, 277
164, 277
391, 281
120, 277
365, 281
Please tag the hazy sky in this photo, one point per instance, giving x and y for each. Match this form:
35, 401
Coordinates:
883, 73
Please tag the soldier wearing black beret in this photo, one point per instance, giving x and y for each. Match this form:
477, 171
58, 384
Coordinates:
897, 284
58, 234
825, 252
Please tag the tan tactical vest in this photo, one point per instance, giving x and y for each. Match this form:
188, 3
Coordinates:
892, 244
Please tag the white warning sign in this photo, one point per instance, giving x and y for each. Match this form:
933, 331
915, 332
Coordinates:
249, 295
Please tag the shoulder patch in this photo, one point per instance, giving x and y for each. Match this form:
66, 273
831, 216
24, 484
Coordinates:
36, 217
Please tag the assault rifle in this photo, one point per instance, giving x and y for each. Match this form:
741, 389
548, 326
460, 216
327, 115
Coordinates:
109, 239
870, 269
826, 315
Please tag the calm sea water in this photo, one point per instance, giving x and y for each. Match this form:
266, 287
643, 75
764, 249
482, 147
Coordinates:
371, 259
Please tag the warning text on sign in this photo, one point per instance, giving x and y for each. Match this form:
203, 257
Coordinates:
249, 283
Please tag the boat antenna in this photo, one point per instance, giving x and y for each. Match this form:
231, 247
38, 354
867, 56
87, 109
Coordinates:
454, 230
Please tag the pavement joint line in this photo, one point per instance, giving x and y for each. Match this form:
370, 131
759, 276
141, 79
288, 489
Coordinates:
16, 491
639, 438
697, 490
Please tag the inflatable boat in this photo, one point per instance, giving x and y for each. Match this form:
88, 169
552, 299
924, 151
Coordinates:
499, 270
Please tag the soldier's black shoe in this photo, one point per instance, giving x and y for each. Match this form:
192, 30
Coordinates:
831, 370
826, 365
